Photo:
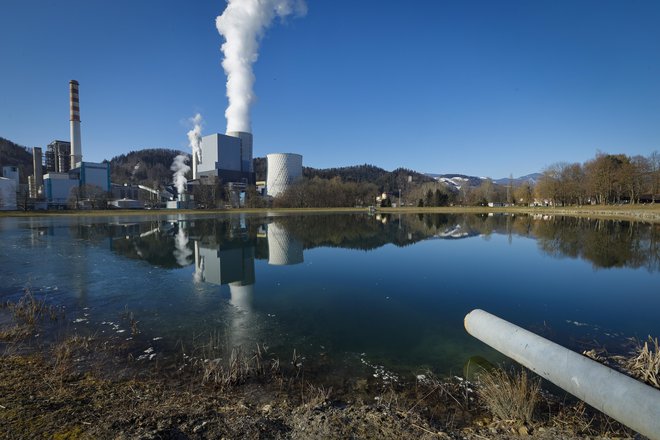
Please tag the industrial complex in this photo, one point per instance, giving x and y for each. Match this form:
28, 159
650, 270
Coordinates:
62, 179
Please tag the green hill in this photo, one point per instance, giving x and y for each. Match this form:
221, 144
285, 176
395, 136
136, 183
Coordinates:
16, 155
150, 167
388, 181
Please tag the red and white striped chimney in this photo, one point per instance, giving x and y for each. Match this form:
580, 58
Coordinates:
76, 147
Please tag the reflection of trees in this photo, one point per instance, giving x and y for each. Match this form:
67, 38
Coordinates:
602, 242
157, 249
353, 231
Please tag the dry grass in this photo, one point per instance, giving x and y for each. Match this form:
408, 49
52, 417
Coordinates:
64, 352
239, 367
645, 363
511, 398
29, 310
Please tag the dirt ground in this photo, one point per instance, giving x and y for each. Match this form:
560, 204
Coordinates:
43, 395
88, 387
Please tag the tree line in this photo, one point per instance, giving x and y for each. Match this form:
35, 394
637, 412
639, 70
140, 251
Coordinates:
605, 179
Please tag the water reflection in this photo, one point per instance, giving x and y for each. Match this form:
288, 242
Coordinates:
394, 287
225, 248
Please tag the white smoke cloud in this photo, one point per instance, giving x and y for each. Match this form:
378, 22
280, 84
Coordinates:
243, 23
195, 136
180, 168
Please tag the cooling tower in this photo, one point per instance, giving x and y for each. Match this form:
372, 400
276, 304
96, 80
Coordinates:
283, 170
246, 149
76, 148
283, 248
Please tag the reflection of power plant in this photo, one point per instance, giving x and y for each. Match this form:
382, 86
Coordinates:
283, 248
225, 263
231, 262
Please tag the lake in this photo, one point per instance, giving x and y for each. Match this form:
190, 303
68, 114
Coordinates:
352, 294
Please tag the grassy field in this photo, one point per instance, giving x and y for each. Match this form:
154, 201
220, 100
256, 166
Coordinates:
647, 213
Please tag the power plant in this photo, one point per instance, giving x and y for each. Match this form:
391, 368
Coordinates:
61, 177
67, 175
227, 157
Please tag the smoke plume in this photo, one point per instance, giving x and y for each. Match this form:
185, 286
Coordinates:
180, 168
243, 23
195, 136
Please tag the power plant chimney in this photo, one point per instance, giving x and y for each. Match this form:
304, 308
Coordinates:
38, 175
76, 147
246, 150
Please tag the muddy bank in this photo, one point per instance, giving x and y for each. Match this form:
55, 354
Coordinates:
84, 387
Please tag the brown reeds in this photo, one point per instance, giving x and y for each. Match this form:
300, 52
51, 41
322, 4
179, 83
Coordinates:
239, 366
645, 362
29, 310
510, 397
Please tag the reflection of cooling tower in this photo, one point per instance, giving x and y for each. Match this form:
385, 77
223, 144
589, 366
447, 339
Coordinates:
284, 169
283, 248
246, 150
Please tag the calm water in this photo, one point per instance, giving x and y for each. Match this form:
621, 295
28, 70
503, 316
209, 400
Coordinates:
344, 291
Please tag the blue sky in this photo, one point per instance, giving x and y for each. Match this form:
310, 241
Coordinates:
486, 88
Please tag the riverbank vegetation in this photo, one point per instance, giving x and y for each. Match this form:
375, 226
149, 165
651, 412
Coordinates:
85, 386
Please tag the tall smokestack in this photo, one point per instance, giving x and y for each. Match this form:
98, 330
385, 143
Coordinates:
38, 169
76, 147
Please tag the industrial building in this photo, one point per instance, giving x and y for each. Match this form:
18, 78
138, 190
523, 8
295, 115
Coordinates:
7, 194
284, 169
8, 188
227, 157
66, 169
58, 156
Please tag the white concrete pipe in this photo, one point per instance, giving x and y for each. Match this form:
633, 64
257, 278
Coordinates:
625, 399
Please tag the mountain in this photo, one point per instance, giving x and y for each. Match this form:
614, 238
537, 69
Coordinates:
16, 155
150, 167
458, 180
531, 178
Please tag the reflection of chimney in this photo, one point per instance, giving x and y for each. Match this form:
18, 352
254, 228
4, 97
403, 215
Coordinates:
76, 147
241, 296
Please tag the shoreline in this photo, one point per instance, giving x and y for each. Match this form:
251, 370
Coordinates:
643, 213
89, 385
83, 387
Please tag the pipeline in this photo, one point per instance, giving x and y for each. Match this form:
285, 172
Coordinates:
623, 398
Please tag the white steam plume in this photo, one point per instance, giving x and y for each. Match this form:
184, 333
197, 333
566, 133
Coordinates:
243, 23
195, 136
180, 168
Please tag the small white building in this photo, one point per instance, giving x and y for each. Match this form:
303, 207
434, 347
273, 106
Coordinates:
11, 172
7, 194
